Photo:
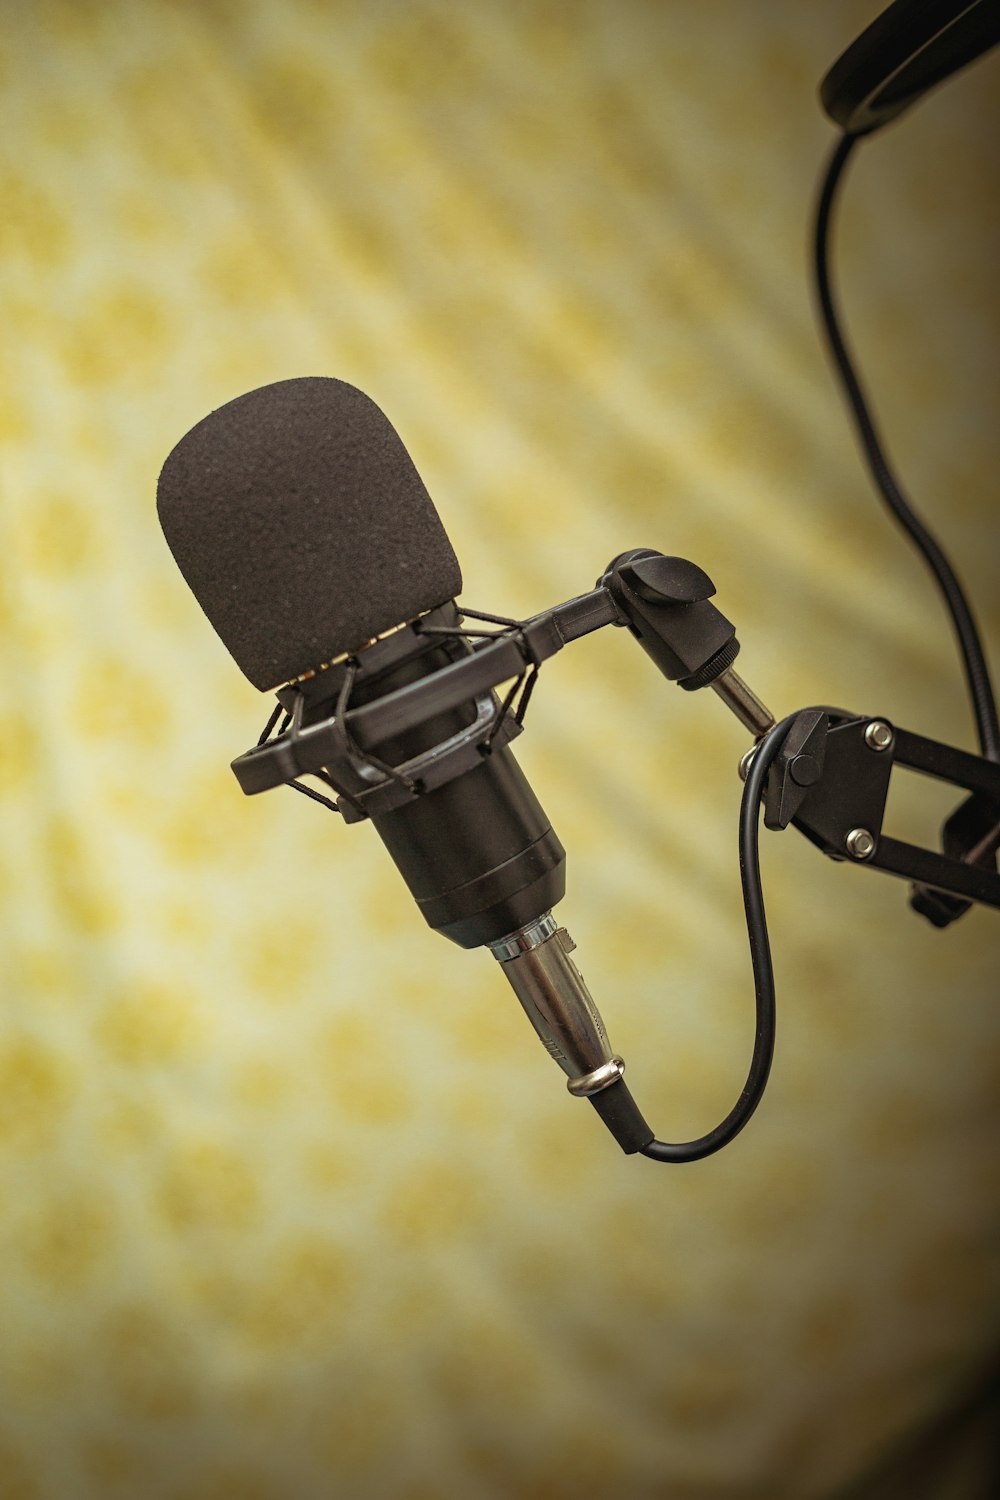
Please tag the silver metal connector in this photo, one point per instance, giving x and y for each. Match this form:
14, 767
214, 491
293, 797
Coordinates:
555, 998
525, 938
601, 1078
744, 703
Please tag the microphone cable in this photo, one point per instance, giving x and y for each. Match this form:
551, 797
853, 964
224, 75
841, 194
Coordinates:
977, 670
760, 957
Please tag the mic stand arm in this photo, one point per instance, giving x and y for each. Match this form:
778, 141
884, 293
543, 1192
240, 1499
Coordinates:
831, 776
831, 779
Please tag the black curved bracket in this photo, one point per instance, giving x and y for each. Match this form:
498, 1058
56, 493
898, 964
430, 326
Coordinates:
907, 50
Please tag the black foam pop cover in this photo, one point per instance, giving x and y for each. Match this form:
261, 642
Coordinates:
302, 527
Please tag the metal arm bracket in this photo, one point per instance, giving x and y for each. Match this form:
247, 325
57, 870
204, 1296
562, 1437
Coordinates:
831, 780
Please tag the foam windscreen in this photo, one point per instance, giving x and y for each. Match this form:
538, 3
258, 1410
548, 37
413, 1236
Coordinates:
302, 527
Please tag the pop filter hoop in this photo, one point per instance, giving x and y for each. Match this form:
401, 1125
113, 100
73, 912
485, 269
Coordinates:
906, 51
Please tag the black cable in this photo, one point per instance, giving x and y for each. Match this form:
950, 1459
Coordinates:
760, 958
977, 671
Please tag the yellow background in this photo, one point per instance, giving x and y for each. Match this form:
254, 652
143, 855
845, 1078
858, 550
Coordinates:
291, 1201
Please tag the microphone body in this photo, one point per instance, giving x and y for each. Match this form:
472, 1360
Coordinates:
478, 853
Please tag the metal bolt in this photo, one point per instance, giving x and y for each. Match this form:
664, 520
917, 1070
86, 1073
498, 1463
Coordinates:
860, 844
878, 736
746, 761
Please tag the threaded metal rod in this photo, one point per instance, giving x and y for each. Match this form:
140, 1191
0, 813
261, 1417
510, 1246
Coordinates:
744, 703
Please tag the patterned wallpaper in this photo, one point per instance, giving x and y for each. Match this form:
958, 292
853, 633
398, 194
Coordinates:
293, 1203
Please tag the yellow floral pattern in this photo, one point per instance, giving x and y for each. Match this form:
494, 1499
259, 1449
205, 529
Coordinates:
293, 1204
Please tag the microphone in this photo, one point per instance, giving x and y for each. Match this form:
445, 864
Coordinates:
302, 527
299, 521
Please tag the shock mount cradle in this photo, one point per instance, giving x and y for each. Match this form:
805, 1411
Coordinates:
830, 780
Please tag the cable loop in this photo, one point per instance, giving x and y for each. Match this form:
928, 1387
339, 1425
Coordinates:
760, 958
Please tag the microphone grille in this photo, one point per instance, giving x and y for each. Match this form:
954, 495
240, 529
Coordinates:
302, 527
